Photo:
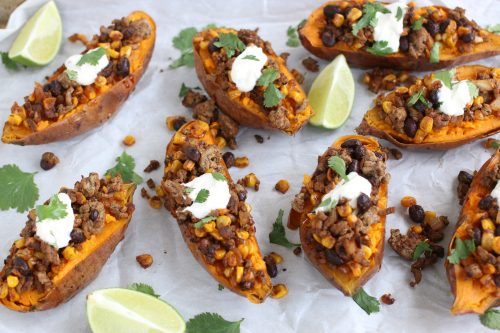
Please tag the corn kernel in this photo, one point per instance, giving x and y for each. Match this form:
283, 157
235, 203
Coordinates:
159, 191
408, 201
129, 140
282, 186
278, 259
401, 90
110, 218
209, 227
69, 253
219, 254
204, 45
115, 35
479, 100
12, 281
487, 224
239, 273
245, 101
100, 81
116, 44
306, 179
297, 96
20, 243
244, 250
284, 90
199, 232
188, 165
429, 216
486, 280
216, 234
241, 162
328, 242
248, 207
15, 119
175, 166
220, 142
354, 15
351, 218
426, 124
242, 234
487, 241
155, 202
279, 291
367, 251
496, 244
355, 268
366, 78
416, 229
344, 210
228, 271
419, 136
234, 94
125, 51
387, 106
4, 291
112, 53
223, 221
488, 269
317, 238
251, 181
338, 20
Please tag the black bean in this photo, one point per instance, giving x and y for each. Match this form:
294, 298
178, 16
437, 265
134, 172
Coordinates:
327, 38
486, 202
468, 38
94, 214
443, 25
178, 123
432, 27
107, 71
417, 213
48, 160
297, 251
192, 153
242, 195
437, 250
77, 236
434, 98
462, 22
464, 177
419, 106
259, 138
358, 152
123, 67
353, 166
404, 45
410, 127
333, 258
364, 202
228, 158
497, 280
21, 266
212, 47
271, 267
497, 230
477, 233
54, 87
330, 11
351, 143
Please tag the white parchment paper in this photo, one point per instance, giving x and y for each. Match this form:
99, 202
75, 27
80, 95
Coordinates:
312, 305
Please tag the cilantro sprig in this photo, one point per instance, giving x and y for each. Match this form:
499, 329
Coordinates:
434, 56
212, 323
328, 204
495, 28
184, 89
491, 319
8, 62
202, 196
272, 95
463, 248
125, 167
399, 14
417, 25
92, 58
366, 302
370, 9
420, 249
56, 209
293, 37
338, 165
250, 57
143, 288
204, 221
278, 235
219, 176
419, 96
473, 89
446, 77
183, 42
380, 48
17, 189
231, 43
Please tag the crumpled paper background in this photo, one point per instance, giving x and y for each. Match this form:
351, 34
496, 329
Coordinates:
312, 304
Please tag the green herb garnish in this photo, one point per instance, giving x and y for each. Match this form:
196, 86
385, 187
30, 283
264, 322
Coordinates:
8, 62
338, 165
462, 250
204, 221
55, 210
380, 48
183, 42
495, 144
301, 24
202, 196
491, 319
293, 37
434, 57
446, 77
17, 188
188, 190
370, 9
278, 235
327, 204
268, 76
366, 302
212, 323
220, 287
219, 176
72, 74
494, 28
125, 168
473, 90
92, 58
143, 288
250, 57
419, 96
417, 25
184, 90
399, 14
420, 249
231, 43
272, 96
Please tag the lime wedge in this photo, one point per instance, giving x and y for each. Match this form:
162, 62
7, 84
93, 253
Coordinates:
38, 41
332, 94
129, 311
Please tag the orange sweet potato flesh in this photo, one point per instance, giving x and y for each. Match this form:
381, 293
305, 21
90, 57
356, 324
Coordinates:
470, 295
250, 114
98, 110
347, 283
449, 136
74, 275
198, 130
311, 39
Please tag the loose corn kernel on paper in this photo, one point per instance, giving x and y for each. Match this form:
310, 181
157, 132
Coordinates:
312, 304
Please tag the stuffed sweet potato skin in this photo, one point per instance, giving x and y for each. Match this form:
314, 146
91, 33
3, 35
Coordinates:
200, 131
470, 295
310, 32
445, 138
96, 111
345, 282
251, 116
79, 272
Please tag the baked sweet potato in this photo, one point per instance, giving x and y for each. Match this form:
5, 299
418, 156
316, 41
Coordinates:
462, 40
248, 108
392, 116
347, 244
61, 108
224, 243
38, 276
474, 277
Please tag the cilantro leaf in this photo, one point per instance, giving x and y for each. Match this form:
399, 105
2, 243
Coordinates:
417, 25
494, 28
293, 37
125, 167
491, 319
143, 288
301, 24
495, 144
446, 76
230, 42
212, 323
8, 62
278, 235
366, 302
399, 14
370, 9
338, 165
220, 287
268, 76
188, 190
272, 96
55, 210
473, 90
183, 42
219, 176
462, 250
250, 57
186, 59
419, 96
184, 90
17, 188
92, 58
204, 221
380, 48
72, 74
202, 196
420, 249
434, 57
327, 204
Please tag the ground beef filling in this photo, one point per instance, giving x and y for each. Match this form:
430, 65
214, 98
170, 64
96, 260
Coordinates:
450, 28
60, 95
341, 236
419, 119
34, 262
223, 242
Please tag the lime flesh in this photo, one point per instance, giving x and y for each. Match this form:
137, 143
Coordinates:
332, 94
124, 311
39, 39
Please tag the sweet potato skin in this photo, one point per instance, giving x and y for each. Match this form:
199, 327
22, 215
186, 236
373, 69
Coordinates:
96, 111
346, 283
373, 125
363, 59
200, 131
471, 296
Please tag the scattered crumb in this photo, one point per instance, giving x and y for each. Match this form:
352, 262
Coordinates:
48, 160
396, 153
259, 138
311, 64
129, 140
250, 181
152, 166
297, 251
144, 193
298, 76
387, 299
155, 202
151, 183
241, 162
284, 56
282, 186
145, 260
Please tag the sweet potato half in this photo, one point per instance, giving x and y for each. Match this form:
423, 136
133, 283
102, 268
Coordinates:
348, 277
294, 109
357, 56
92, 105
473, 292
226, 247
450, 136
78, 263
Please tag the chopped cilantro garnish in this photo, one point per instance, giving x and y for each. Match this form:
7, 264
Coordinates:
204, 221
143, 288
446, 77
55, 210
212, 323
17, 188
417, 25
366, 302
462, 250
368, 18
338, 165
8, 62
434, 57
278, 235
420, 249
380, 48
272, 96
125, 167
293, 37
92, 58
202, 196
231, 43
183, 42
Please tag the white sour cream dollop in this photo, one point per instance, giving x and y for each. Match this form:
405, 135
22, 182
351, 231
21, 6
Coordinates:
218, 195
454, 100
57, 232
86, 73
246, 72
388, 27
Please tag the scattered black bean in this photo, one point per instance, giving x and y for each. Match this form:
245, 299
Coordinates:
271, 267
21, 266
192, 153
477, 233
464, 177
330, 11
443, 25
468, 38
432, 27
94, 214
178, 123
228, 158
410, 127
333, 258
353, 166
297, 251
417, 213
434, 98
77, 236
497, 280
358, 152
48, 160
419, 106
